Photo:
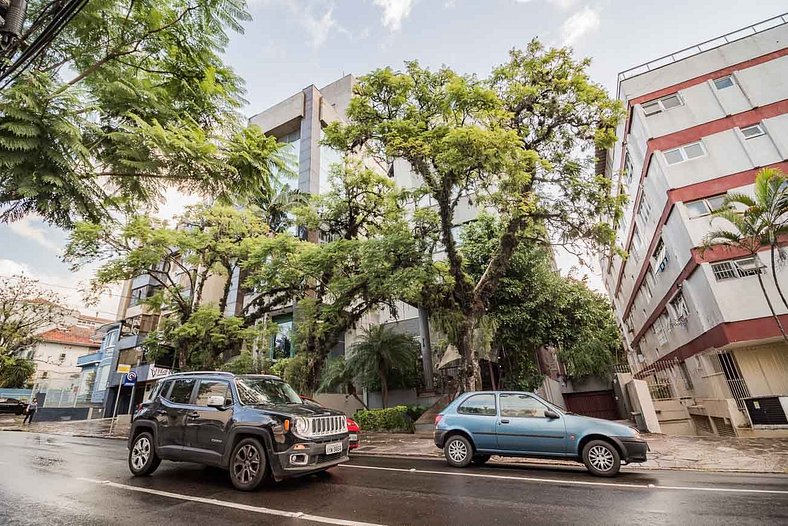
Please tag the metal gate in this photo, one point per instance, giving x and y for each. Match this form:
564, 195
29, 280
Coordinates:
599, 404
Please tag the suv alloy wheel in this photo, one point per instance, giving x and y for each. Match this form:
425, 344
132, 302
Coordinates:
601, 458
247, 464
143, 459
458, 451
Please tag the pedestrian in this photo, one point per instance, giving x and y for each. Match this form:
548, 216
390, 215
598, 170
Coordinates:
31, 411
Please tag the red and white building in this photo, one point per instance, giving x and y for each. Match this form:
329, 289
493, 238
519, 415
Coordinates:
701, 123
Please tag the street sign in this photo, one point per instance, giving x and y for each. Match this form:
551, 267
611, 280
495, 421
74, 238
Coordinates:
130, 379
123, 368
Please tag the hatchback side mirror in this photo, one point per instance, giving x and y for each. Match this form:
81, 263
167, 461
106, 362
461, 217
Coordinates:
216, 402
550, 414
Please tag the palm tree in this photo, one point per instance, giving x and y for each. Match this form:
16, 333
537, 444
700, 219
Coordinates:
336, 374
762, 222
378, 352
275, 207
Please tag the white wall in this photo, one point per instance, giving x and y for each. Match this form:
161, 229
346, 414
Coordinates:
47, 359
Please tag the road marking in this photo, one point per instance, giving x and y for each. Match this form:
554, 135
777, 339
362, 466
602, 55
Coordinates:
234, 505
571, 482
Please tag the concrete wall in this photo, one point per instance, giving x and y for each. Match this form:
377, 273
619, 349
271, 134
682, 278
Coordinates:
550, 390
341, 402
640, 400
57, 414
399, 397
674, 419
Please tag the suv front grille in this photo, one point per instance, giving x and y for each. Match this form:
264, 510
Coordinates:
321, 426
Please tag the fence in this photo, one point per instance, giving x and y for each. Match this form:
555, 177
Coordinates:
660, 377
724, 362
63, 392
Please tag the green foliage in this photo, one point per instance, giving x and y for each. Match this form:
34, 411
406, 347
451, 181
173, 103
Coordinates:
15, 372
534, 306
394, 419
379, 352
415, 411
520, 142
294, 371
132, 96
245, 363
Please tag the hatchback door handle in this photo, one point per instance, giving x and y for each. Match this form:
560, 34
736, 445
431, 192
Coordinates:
194, 415
504, 421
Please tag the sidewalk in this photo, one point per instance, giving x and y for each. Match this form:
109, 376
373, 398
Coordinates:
749, 455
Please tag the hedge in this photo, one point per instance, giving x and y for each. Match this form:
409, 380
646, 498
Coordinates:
392, 419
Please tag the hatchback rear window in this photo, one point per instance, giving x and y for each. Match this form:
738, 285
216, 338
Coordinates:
482, 404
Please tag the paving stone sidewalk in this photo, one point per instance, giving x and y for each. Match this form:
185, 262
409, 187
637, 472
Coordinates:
750, 455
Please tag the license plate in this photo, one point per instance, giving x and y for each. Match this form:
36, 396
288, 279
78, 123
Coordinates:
353, 437
336, 447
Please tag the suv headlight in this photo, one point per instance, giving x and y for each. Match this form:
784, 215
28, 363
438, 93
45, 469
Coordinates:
301, 427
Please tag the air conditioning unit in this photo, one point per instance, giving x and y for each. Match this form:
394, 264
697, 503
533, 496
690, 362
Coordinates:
767, 410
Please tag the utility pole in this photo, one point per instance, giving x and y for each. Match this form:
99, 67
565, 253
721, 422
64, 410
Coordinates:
426, 349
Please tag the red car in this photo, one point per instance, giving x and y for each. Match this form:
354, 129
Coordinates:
354, 432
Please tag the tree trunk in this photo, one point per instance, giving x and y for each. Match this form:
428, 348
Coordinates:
771, 307
226, 291
471, 373
774, 277
384, 388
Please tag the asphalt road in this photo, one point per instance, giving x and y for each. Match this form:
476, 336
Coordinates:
47, 479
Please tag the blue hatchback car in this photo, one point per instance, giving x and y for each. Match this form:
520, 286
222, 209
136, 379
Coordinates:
477, 425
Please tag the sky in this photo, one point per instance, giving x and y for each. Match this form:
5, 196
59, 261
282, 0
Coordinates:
291, 44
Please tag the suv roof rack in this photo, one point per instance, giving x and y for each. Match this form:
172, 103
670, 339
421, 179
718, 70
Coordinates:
198, 373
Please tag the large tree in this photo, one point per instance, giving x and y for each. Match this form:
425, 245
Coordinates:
362, 256
131, 98
520, 141
204, 249
26, 310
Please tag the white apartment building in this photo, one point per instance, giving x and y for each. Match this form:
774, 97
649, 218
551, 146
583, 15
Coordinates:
701, 123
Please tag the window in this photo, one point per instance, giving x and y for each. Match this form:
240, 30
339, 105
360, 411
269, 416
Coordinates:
756, 130
685, 153
740, 268
723, 82
478, 405
44, 374
637, 242
62, 357
662, 325
646, 287
181, 392
628, 323
662, 104
521, 406
209, 388
628, 170
281, 342
163, 389
703, 207
265, 391
685, 376
660, 257
644, 209
679, 307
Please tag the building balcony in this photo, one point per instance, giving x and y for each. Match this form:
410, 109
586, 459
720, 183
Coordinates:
89, 359
131, 341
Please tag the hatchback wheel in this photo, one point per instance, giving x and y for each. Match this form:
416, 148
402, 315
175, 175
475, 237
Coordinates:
481, 459
248, 464
601, 458
143, 459
458, 451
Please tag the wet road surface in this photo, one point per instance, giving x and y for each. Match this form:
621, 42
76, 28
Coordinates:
48, 479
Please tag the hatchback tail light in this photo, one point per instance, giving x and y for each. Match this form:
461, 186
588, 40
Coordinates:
438, 419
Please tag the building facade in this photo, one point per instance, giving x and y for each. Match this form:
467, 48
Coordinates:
700, 124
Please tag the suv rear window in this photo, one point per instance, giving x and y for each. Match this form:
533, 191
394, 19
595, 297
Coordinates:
182, 390
482, 404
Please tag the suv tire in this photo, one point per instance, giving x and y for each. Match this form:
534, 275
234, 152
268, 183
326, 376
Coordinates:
143, 459
248, 464
458, 451
601, 458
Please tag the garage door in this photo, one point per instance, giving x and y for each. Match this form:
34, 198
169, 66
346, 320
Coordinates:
599, 404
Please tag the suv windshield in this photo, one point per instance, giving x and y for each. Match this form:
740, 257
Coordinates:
266, 391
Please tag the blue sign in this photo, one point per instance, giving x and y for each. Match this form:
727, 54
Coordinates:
130, 379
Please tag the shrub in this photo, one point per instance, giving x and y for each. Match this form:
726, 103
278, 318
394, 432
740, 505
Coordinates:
392, 419
415, 411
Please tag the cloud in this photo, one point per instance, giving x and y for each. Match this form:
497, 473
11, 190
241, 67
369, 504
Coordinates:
318, 27
25, 228
579, 25
562, 4
394, 12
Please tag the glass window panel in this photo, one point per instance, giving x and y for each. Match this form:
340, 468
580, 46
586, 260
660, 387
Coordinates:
521, 406
483, 404
182, 391
697, 208
752, 131
716, 202
693, 150
651, 108
723, 82
671, 101
209, 388
674, 156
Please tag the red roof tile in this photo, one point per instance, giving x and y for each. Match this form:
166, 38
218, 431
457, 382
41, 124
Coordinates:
72, 335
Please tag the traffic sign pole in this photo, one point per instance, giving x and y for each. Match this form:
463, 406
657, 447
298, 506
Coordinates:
133, 387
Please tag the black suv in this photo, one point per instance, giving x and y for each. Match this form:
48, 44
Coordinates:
252, 425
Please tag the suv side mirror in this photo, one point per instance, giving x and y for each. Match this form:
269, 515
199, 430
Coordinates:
550, 414
216, 402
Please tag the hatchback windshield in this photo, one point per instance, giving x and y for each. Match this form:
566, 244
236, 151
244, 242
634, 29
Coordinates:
266, 391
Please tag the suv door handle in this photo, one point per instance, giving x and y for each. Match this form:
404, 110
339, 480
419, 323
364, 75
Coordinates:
504, 421
194, 415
